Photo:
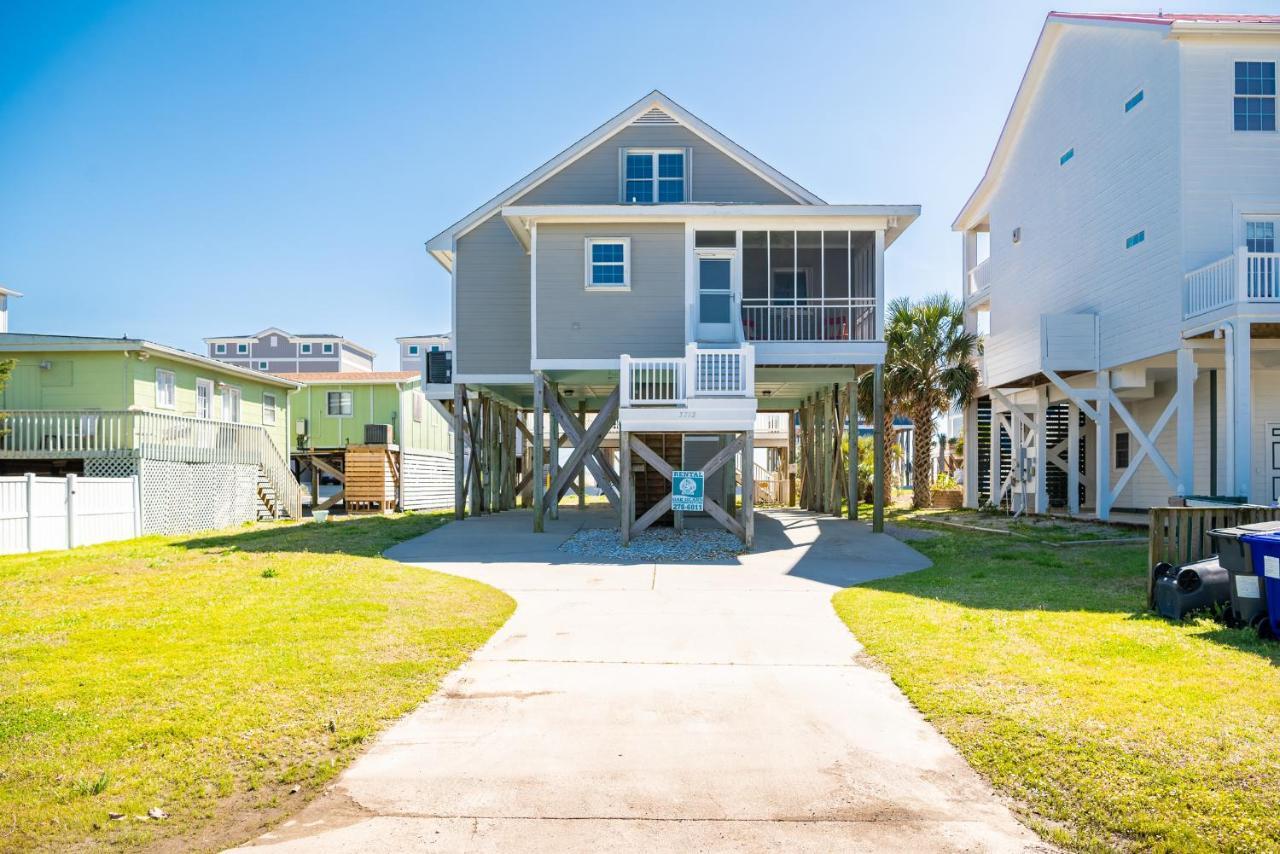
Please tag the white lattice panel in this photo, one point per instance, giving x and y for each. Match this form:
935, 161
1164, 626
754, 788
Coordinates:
179, 498
110, 467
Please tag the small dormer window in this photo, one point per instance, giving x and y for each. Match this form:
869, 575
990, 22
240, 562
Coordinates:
653, 176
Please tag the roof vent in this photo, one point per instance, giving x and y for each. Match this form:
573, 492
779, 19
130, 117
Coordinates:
655, 116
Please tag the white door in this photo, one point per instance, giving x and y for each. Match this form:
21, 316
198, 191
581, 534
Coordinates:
1273, 458
231, 404
716, 296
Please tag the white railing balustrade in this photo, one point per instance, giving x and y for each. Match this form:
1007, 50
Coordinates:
809, 319
980, 277
50, 434
1239, 278
666, 381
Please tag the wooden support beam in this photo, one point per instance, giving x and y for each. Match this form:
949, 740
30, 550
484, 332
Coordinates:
852, 394
626, 496
587, 446
553, 463
582, 471
652, 515
459, 452
791, 458
328, 468
877, 417
748, 488
536, 473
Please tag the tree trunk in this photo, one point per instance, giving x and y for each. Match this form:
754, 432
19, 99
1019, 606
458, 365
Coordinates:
887, 462
922, 466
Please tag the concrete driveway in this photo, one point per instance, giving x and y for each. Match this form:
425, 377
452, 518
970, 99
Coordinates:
641, 706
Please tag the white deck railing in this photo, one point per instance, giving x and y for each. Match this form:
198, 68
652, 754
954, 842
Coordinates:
810, 319
666, 381
51, 434
1239, 278
979, 278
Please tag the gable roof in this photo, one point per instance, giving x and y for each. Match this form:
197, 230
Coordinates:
651, 109
351, 377
1160, 23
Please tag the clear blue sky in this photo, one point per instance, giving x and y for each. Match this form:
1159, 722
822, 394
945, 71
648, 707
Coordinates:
172, 170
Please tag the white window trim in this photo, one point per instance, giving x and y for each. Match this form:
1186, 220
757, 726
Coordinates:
219, 348
204, 383
413, 349
1275, 99
626, 265
263, 364
242, 348
417, 407
230, 392
268, 410
327, 349
330, 414
686, 153
173, 389
305, 349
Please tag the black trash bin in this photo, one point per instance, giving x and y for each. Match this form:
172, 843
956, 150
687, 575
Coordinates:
1248, 597
1180, 590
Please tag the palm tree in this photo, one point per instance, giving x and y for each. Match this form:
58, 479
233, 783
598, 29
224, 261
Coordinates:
928, 367
897, 319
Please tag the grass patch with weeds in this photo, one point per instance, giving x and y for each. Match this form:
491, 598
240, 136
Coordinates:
1113, 728
205, 676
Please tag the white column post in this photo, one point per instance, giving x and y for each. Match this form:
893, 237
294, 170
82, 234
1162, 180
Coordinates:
1102, 500
970, 258
1241, 382
1073, 459
137, 505
1042, 450
879, 272
71, 511
31, 511
971, 455
1186, 420
994, 499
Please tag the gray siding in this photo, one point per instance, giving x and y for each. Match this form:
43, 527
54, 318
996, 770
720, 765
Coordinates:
593, 178
648, 320
492, 294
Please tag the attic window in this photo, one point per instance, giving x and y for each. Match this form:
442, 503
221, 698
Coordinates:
654, 175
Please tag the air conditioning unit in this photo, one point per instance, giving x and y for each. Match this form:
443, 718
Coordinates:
440, 367
377, 434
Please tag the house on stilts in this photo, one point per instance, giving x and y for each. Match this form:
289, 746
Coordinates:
659, 283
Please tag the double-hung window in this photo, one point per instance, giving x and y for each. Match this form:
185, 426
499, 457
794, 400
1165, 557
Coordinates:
651, 176
1260, 235
231, 404
339, 403
204, 398
166, 389
608, 263
268, 408
1255, 101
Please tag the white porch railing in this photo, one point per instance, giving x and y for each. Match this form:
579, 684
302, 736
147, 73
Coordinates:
727, 372
51, 434
810, 319
1239, 278
979, 278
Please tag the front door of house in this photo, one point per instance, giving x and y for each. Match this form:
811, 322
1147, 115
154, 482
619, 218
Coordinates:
715, 296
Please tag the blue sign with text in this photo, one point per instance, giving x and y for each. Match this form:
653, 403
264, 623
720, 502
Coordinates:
687, 490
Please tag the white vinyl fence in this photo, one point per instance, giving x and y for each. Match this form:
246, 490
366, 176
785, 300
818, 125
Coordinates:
40, 513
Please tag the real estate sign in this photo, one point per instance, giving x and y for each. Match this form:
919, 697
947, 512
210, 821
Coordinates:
687, 490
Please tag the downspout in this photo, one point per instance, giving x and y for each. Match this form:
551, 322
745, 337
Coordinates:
1213, 432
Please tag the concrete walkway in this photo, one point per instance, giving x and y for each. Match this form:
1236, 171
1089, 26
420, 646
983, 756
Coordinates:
641, 706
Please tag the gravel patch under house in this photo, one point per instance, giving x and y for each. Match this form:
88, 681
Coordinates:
655, 544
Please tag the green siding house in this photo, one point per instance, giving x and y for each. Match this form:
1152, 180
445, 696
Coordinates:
209, 441
412, 469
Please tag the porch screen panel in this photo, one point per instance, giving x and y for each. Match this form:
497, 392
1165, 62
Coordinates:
808, 318
755, 283
863, 281
839, 317
780, 311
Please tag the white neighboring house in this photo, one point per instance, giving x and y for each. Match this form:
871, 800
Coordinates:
414, 349
1132, 288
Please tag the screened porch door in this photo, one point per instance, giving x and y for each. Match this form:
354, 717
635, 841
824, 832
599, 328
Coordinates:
715, 296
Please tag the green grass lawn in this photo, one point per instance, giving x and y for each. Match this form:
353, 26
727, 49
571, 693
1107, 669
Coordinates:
1112, 728
209, 675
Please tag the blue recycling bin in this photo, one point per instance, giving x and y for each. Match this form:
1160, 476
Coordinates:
1266, 565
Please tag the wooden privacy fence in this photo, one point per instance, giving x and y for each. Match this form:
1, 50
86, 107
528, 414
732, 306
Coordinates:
1181, 534
42, 513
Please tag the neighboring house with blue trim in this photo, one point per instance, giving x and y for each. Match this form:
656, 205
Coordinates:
1121, 262
275, 351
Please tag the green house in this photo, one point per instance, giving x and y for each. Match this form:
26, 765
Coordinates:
209, 441
405, 461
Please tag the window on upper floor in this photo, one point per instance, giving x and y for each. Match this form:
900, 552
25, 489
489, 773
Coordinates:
274, 341
1255, 101
219, 348
242, 348
653, 176
413, 349
166, 389
1260, 236
608, 263
1134, 239
304, 349
1134, 100
268, 408
339, 402
435, 348
327, 348
262, 366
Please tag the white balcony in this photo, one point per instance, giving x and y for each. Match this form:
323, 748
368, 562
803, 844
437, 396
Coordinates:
809, 319
1244, 277
703, 390
978, 284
